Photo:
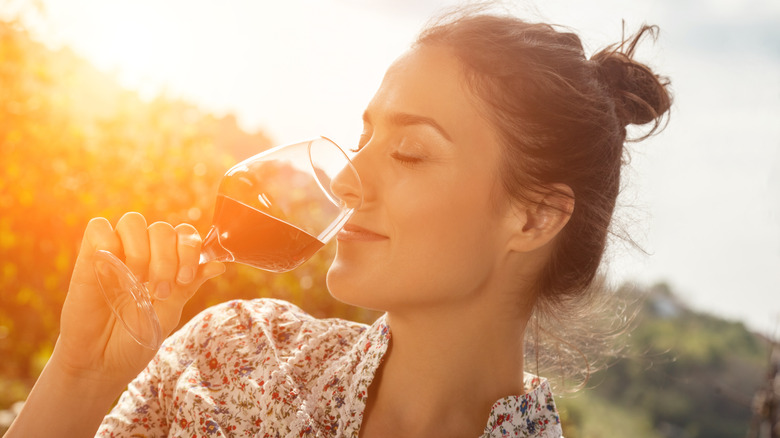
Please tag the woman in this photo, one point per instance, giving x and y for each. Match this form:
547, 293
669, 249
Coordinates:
490, 160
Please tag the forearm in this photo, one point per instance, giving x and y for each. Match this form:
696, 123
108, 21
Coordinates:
64, 404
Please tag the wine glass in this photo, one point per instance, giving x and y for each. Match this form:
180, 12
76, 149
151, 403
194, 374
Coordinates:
273, 211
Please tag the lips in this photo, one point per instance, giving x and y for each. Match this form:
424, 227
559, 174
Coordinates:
357, 233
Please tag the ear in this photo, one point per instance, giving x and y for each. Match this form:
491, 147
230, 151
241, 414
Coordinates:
538, 221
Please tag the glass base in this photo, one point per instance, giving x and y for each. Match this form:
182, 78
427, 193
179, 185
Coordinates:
128, 299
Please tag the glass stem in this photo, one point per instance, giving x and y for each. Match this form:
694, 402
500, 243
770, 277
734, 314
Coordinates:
212, 249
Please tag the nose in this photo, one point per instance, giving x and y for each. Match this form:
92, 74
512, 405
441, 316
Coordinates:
347, 187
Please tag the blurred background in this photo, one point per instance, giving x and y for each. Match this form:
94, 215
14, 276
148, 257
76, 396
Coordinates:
108, 106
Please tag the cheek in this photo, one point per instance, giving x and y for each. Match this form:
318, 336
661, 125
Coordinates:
447, 242
443, 246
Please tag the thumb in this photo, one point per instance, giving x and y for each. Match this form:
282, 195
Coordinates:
205, 272
169, 311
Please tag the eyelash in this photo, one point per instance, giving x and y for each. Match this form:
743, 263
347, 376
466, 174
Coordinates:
405, 159
361, 142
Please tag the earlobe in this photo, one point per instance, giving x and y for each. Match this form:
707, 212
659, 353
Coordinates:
536, 223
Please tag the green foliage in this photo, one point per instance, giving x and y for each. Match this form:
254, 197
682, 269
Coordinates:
686, 374
587, 415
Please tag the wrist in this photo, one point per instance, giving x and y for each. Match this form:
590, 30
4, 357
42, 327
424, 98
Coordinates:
87, 382
72, 402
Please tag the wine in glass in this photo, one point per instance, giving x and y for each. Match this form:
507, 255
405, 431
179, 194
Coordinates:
273, 211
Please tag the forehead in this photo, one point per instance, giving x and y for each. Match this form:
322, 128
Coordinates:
429, 81
426, 71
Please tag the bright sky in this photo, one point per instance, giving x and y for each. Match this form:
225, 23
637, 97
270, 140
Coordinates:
703, 198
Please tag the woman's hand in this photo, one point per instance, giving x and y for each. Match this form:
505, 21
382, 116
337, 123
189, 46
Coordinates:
93, 343
95, 357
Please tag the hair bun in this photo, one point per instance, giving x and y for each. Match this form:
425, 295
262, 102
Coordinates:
640, 95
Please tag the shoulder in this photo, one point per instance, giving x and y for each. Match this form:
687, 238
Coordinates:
251, 310
260, 324
532, 414
264, 314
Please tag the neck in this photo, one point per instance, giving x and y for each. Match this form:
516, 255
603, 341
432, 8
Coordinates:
446, 366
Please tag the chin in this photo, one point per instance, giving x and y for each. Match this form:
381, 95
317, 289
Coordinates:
345, 285
339, 284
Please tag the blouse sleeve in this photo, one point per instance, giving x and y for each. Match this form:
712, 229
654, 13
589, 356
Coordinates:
144, 408
238, 368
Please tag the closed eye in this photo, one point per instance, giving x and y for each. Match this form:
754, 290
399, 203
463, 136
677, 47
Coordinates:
406, 159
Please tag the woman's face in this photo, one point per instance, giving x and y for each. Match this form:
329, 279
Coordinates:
432, 224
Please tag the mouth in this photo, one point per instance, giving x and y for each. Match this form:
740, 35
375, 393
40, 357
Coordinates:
357, 233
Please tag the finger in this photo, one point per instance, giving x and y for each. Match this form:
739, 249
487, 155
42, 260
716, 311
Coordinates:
205, 272
131, 229
188, 243
164, 261
170, 310
83, 303
98, 235
208, 271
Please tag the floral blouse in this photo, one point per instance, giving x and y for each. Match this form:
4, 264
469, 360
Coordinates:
265, 368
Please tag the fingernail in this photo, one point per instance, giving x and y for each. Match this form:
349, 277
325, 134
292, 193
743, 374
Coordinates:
163, 290
185, 275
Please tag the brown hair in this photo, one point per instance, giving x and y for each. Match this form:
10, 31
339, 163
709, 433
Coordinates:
562, 119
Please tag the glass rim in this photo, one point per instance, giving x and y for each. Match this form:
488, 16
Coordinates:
338, 202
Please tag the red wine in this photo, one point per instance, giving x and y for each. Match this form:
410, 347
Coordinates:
246, 235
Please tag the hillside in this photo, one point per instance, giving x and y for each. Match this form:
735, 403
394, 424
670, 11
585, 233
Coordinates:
684, 374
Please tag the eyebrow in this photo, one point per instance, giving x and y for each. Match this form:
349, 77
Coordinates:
406, 119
